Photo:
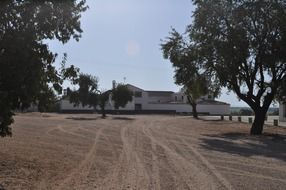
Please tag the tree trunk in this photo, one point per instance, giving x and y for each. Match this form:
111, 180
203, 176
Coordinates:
195, 113
103, 112
194, 106
6, 119
257, 126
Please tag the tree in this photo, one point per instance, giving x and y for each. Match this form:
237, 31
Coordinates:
47, 101
194, 90
184, 57
26, 63
87, 93
242, 43
103, 98
121, 95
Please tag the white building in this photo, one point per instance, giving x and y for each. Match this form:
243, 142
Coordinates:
159, 102
282, 112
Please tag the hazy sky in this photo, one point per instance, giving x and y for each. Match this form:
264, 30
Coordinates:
121, 39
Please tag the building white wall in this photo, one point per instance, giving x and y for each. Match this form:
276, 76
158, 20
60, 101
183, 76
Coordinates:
139, 100
157, 98
66, 105
156, 103
282, 114
142, 100
176, 107
211, 109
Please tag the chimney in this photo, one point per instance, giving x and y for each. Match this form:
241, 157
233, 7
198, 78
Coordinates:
113, 84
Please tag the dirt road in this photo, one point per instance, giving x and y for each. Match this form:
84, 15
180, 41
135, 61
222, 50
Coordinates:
139, 152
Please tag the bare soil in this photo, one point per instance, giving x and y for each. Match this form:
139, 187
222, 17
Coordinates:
50, 151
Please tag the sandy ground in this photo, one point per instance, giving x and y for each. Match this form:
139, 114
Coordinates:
139, 152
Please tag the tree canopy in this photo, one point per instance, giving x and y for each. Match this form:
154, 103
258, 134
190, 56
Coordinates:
242, 43
26, 63
189, 73
87, 93
121, 95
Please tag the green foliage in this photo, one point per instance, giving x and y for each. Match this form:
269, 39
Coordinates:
196, 88
103, 98
47, 101
26, 63
87, 93
121, 95
185, 59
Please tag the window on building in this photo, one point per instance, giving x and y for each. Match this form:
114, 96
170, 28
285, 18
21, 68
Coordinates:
138, 94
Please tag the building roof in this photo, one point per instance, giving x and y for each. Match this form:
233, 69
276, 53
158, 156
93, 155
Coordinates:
211, 102
163, 92
132, 86
152, 91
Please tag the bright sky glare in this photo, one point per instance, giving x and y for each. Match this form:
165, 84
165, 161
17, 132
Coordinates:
121, 40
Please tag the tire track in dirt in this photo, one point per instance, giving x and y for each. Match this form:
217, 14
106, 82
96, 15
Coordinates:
63, 130
143, 177
110, 180
153, 174
129, 172
157, 157
199, 157
209, 166
172, 162
113, 180
77, 176
123, 173
193, 176
134, 168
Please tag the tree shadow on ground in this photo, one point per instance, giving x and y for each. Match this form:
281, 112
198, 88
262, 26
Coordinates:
123, 118
216, 122
82, 118
267, 145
